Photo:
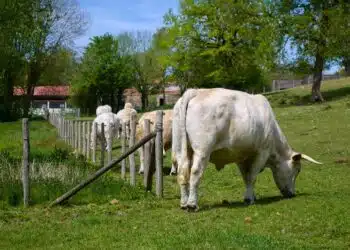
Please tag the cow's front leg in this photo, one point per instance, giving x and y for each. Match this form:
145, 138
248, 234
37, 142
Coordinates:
249, 173
197, 169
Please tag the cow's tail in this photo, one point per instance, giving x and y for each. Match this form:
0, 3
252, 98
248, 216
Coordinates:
184, 164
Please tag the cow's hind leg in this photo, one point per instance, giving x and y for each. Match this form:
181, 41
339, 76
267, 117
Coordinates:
199, 164
183, 179
249, 171
140, 150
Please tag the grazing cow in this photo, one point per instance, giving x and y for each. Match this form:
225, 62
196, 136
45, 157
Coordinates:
167, 129
124, 115
224, 126
110, 129
103, 109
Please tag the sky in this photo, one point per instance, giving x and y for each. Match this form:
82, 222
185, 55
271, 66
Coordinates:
116, 16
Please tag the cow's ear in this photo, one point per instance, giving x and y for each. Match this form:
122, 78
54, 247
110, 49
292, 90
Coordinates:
296, 157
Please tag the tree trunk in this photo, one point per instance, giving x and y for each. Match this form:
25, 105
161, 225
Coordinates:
144, 100
112, 100
8, 96
33, 79
346, 64
317, 79
120, 104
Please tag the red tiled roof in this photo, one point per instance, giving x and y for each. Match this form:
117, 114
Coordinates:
45, 91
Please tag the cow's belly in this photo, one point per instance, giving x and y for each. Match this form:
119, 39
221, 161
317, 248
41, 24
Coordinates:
221, 157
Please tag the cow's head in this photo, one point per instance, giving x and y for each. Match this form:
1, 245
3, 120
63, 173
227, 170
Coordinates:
286, 171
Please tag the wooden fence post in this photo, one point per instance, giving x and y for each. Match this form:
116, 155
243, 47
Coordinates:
25, 167
123, 168
147, 157
79, 137
131, 143
84, 138
88, 140
65, 130
159, 153
76, 136
103, 147
71, 134
94, 145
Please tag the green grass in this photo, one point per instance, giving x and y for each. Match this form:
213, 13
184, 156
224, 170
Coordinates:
317, 218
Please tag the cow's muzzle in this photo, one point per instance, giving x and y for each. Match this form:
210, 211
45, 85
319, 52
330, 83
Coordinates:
287, 193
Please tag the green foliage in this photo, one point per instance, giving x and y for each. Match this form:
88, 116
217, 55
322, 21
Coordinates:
34, 37
105, 71
319, 31
217, 43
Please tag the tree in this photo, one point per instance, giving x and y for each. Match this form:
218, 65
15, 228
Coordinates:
222, 43
146, 67
15, 28
103, 75
60, 67
317, 29
56, 23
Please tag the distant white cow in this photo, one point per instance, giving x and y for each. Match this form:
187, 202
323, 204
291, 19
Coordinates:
123, 116
110, 129
103, 109
224, 126
167, 129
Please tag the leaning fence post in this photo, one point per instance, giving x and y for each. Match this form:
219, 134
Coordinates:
123, 168
102, 144
94, 139
147, 157
131, 143
25, 167
159, 153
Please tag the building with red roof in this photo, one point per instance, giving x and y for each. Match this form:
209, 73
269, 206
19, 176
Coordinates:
51, 96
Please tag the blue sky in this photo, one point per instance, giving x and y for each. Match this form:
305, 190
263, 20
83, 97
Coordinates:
115, 16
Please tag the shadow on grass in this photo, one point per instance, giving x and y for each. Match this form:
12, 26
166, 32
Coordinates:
238, 204
288, 98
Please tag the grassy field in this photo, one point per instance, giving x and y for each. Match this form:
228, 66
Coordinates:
315, 219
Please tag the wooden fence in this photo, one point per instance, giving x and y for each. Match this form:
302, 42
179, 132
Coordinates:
292, 83
77, 133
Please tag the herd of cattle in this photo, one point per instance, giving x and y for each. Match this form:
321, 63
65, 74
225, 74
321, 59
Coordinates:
219, 126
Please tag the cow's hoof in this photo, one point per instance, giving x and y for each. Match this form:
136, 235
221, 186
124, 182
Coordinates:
248, 201
183, 207
192, 208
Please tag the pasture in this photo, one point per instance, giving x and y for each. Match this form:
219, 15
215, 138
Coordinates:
316, 218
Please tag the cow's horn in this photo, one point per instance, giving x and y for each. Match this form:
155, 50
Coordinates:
308, 158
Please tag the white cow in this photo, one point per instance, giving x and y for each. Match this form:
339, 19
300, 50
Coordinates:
103, 109
224, 126
124, 115
110, 129
167, 129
